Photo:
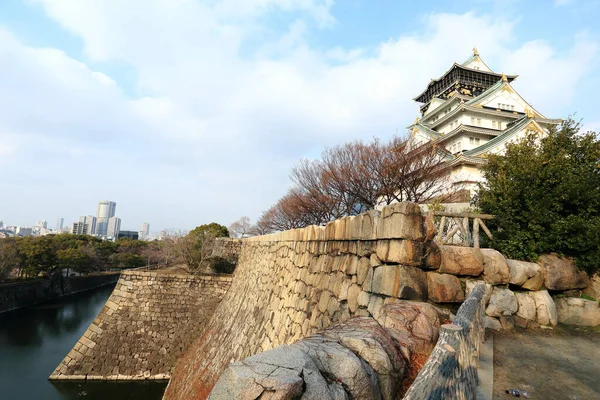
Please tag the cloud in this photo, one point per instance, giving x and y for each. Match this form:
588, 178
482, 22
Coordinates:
225, 102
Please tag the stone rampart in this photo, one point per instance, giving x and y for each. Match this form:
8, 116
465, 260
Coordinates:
27, 293
228, 248
149, 320
451, 370
290, 285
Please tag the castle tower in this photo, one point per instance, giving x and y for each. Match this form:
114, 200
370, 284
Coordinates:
472, 111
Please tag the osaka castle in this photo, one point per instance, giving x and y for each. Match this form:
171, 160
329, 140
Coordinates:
472, 111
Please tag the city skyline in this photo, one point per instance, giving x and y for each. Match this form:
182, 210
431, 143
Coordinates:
203, 127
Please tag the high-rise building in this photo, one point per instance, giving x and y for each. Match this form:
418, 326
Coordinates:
114, 226
106, 210
145, 231
128, 234
42, 224
91, 222
59, 224
80, 228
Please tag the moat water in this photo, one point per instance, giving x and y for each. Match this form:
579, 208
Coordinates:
35, 339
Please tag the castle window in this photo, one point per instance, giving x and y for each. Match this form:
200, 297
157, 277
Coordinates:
494, 124
472, 121
478, 121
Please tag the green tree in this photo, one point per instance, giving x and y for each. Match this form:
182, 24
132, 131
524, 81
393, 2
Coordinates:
127, 260
213, 229
545, 193
73, 259
196, 247
9, 257
38, 254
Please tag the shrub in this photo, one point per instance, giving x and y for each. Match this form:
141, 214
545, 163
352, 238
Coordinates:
545, 193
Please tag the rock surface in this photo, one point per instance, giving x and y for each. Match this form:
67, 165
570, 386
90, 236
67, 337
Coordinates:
545, 308
399, 281
444, 288
502, 302
574, 311
527, 308
495, 267
459, 260
415, 326
593, 289
528, 275
562, 273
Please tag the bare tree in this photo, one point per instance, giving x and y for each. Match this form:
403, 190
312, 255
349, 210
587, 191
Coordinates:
241, 228
356, 177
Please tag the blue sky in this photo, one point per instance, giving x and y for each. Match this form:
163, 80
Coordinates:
186, 112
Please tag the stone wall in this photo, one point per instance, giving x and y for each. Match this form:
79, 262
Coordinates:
147, 323
27, 293
228, 248
290, 285
294, 284
451, 371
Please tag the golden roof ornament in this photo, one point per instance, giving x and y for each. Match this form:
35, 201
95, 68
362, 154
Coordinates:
416, 120
529, 113
475, 52
504, 78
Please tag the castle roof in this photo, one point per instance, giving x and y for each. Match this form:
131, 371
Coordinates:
469, 73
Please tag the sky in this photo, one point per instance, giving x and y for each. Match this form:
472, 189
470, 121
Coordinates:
186, 112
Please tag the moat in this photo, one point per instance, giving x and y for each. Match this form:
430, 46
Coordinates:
34, 340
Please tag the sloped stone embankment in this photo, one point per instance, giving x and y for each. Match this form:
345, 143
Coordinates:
149, 320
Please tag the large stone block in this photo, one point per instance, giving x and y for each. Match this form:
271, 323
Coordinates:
502, 302
545, 308
593, 289
495, 268
367, 339
413, 325
444, 288
405, 252
432, 257
470, 284
401, 221
528, 275
527, 309
562, 274
575, 311
398, 281
334, 360
459, 260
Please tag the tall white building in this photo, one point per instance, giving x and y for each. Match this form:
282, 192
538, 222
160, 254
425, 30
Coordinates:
472, 111
106, 210
114, 226
91, 223
59, 224
42, 224
145, 231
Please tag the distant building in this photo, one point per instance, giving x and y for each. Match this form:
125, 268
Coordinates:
23, 231
106, 210
1, 225
43, 224
128, 234
91, 222
80, 228
114, 226
145, 231
59, 224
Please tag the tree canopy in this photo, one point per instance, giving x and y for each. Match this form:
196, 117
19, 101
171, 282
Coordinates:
545, 193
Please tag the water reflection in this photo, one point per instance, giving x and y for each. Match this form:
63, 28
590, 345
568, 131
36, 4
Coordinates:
34, 340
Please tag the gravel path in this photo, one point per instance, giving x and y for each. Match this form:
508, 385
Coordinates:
563, 363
